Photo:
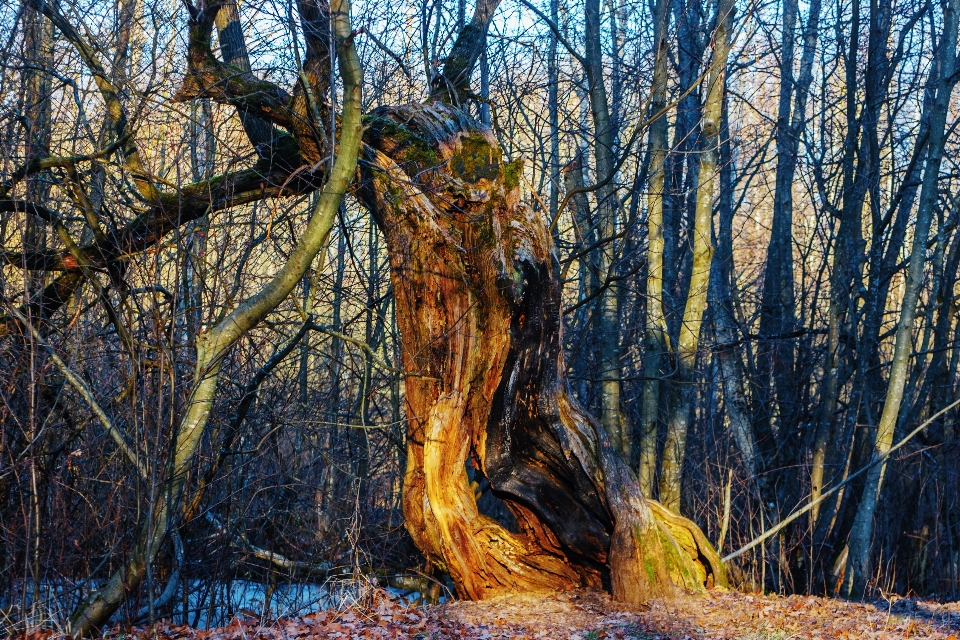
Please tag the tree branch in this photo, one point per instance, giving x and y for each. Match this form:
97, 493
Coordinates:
81, 387
453, 83
207, 77
116, 113
826, 494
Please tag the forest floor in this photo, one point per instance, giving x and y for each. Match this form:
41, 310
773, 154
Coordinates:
593, 616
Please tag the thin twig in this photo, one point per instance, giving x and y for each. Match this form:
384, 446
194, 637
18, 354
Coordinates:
77, 383
796, 514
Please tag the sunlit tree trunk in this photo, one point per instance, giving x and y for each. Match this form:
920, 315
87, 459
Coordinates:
861, 535
479, 310
656, 336
486, 380
688, 344
607, 206
682, 163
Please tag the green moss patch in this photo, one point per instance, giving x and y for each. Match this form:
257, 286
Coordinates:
476, 160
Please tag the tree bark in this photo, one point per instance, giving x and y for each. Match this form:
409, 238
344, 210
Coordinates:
656, 335
479, 312
233, 51
688, 343
607, 204
858, 560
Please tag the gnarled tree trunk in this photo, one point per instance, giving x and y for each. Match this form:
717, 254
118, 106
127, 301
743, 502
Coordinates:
479, 310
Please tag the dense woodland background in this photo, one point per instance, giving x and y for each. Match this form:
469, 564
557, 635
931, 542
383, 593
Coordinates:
745, 355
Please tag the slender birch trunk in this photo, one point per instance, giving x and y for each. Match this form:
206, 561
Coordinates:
727, 335
777, 313
553, 88
845, 271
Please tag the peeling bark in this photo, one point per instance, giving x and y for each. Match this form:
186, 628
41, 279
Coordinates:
478, 306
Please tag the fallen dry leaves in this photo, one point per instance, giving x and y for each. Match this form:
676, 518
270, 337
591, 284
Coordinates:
592, 616
717, 615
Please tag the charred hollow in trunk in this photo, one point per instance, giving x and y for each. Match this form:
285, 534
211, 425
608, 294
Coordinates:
479, 310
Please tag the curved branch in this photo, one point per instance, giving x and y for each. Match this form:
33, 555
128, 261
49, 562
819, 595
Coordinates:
81, 387
233, 51
143, 232
207, 77
41, 164
192, 202
557, 33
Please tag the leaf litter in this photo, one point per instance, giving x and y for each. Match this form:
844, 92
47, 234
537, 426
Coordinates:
586, 615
